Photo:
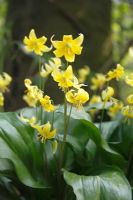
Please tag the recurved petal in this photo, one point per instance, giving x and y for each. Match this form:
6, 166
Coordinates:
42, 39
58, 53
79, 40
77, 50
44, 48
26, 40
51, 134
70, 57
38, 128
47, 127
32, 35
67, 38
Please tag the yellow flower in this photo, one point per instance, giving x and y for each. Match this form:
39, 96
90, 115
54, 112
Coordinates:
116, 73
95, 99
27, 120
64, 78
44, 131
30, 100
83, 73
68, 47
107, 94
5, 80
98, 81
130, 99
47, 104
1, 99
77, 98
34, 44
53, 64
114, 109
33, 93
127, 111
129, 79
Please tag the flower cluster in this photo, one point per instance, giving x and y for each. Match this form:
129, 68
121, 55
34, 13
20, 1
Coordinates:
65, 51
62, 75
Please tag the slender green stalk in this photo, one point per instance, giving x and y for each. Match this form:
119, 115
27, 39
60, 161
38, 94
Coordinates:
65, 133
40, 87
40, 78
52, 122
69, 115
103, 108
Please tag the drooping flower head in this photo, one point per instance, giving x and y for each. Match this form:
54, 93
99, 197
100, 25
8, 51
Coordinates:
68, 47
129, 79
130, 99
5, 80
77, 98
98, 81
107, 94
95, 99
114, 109
127, 111
116, 73
64, 78
33, 93
34, 44
44, 131
52, 65
46, 103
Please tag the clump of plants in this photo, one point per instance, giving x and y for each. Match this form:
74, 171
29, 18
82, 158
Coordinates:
69, 151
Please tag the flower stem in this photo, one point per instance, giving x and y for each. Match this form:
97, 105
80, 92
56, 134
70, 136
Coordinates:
65, 133
40, 87
103, 108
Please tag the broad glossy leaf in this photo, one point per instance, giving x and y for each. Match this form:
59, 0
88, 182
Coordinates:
18, 144
86, 130
109, 184
75, 113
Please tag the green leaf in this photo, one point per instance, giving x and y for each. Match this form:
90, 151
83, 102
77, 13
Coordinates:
109, 184
19, 145
86, 130
75, 113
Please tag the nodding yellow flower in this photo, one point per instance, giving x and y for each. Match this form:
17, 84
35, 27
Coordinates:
29, 100
130, 99
46, 103
28, 120
52, 65
44, 131
68, 47
1, 100
129, 79
116, 73
83, 73
95, 99
98, 81
33, 93
77, 98
5, 80
107, 93
127, 111
34, 44
64, 78
114, 109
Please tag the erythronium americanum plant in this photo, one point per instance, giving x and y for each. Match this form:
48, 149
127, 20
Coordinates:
69, 151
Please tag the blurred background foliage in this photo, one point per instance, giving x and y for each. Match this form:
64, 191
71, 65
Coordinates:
107, 26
